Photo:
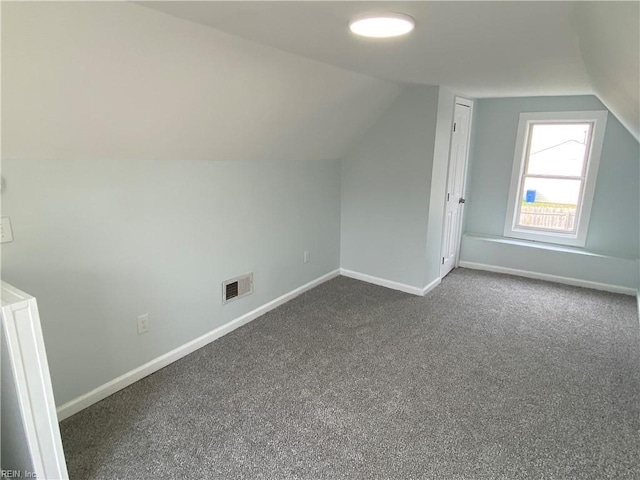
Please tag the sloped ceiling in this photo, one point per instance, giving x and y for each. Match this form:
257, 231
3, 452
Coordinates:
114, 80
283, 80
479, 49
610, 45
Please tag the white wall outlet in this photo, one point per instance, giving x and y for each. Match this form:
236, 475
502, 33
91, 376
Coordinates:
306, 257
6, 233
143, 323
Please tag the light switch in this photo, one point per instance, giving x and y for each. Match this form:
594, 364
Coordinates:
6, 234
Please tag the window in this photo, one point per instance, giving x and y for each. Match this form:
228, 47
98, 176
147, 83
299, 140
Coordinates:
554, 175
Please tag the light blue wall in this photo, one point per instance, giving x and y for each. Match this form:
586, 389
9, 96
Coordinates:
536, 260
385, 191
614, 225
100, 242
613, 229
117, 151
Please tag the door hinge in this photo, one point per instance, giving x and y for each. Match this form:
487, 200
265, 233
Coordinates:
447, 197
454, 126
443, 260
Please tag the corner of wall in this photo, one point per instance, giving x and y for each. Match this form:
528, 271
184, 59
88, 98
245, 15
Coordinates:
385, 188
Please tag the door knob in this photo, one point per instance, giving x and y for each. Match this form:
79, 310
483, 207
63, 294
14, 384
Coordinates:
462, 200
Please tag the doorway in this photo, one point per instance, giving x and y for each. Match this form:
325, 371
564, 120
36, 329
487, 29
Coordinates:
456, 177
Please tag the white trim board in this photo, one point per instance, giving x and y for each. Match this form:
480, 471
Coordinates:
431, 286
550, 278
34, 433
402, 287
381, 282
109, 388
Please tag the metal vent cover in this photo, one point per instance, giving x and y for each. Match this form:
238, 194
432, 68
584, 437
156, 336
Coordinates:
237, 287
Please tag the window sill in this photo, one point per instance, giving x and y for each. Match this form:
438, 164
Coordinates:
548, 238
537, 245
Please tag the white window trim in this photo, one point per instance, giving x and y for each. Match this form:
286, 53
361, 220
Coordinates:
599, 119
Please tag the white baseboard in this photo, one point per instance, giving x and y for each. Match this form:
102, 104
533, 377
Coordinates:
550, 278
384, 283
109, 388
431, 286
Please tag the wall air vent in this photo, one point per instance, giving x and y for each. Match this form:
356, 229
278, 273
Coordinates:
237, 287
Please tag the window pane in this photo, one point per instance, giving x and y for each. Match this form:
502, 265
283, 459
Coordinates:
558, 149
549, 204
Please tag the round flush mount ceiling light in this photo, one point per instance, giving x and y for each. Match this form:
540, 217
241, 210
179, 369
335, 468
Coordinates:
383, 25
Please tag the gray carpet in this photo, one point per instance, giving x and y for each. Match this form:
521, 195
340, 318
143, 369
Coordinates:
487, 377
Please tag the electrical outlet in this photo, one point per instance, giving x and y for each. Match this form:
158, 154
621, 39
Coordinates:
306, 257
6, 233
143, 323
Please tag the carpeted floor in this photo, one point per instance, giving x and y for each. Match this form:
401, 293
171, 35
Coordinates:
487, 377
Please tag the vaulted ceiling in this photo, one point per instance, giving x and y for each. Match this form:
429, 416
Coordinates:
479, 49
283, 80
114, 80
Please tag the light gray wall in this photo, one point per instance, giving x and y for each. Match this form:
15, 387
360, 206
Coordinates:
614, 225
146, 160
100, 242
386, 182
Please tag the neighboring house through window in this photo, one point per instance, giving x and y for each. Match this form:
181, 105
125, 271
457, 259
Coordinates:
554, 176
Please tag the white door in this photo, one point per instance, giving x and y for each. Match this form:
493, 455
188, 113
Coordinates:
454, 200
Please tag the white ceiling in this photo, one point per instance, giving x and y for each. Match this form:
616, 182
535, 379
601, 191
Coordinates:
477, 48
480, 49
